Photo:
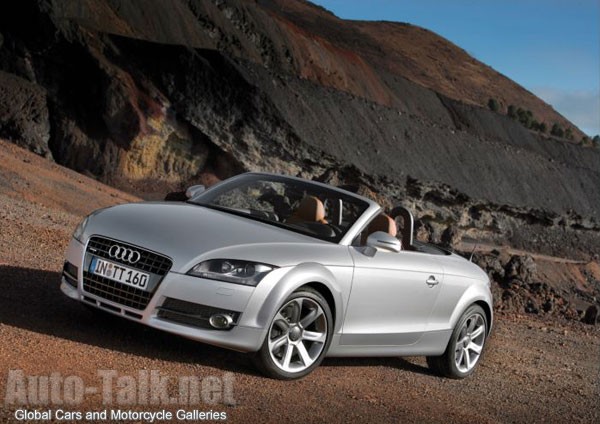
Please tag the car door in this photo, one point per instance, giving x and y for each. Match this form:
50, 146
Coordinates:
392, 297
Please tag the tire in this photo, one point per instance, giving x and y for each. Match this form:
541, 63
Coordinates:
465, 347
298, 336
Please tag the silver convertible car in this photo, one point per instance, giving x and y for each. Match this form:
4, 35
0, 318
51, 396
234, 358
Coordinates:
287, 269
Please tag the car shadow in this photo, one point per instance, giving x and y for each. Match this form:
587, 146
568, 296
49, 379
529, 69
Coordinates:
31, 299
388, 362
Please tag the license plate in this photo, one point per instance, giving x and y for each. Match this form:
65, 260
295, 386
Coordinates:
120, 273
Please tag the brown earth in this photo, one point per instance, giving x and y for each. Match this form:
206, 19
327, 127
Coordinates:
399, 49
534, 370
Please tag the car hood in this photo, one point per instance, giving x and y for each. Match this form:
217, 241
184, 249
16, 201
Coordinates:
186, 232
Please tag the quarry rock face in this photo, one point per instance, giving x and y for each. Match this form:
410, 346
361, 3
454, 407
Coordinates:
24, 114
151, 96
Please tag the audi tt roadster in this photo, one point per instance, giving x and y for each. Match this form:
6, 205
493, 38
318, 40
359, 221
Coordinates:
286, 269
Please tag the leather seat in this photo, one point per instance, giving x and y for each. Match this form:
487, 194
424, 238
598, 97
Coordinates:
383, 223
311, 209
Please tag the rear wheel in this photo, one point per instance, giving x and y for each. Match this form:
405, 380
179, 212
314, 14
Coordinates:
298, 337
465, 346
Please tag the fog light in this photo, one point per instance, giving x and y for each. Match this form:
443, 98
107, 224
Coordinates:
221, 321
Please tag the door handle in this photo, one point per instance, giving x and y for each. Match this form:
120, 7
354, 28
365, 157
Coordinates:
431, 281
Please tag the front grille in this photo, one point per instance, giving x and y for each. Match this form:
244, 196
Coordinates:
149, 261
123, 294
192, 314
115, 291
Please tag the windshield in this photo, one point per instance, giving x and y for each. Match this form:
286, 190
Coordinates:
295, 205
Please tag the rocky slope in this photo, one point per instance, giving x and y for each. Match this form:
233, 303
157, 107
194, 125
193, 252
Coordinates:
150, 96
272, 79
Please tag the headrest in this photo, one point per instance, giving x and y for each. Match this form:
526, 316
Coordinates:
383, 223
311, 209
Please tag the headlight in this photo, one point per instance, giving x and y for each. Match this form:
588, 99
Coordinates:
78, 233
232, 271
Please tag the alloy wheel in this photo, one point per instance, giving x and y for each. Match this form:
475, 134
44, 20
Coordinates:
297, 335
469, 343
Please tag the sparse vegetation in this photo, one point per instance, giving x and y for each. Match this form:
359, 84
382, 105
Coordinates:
527, 119
493, 105
590, 141
569, 134
557, 130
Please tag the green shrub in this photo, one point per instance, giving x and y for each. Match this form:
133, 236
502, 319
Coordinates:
557, 130
493, 105
512, 111
569, 133
524, 117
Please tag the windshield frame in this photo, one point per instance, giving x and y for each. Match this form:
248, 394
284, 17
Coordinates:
368, 207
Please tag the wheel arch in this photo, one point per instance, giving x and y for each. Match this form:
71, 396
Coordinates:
326, 293
488, 313
313, 275
474, 295
270, 358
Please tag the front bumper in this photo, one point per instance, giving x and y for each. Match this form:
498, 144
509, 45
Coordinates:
214, 294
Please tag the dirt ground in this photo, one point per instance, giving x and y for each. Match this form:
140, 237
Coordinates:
532, 371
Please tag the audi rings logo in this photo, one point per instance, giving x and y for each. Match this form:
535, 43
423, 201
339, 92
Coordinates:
124, 254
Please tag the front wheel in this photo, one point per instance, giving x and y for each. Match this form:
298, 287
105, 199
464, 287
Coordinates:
465, 346
298, 337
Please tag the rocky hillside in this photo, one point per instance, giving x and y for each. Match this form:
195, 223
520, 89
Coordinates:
149, 96
361, 58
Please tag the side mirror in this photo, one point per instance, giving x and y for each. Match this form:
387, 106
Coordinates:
194, 190
381, 240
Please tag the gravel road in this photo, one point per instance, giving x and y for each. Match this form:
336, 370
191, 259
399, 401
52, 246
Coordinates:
532, 371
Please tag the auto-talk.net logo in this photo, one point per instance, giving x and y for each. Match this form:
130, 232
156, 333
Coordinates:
55, 396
